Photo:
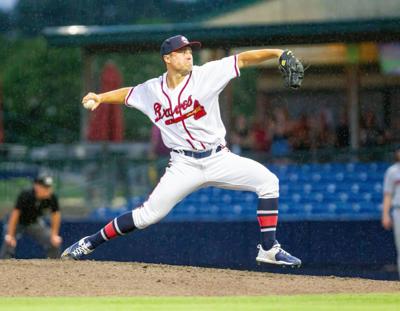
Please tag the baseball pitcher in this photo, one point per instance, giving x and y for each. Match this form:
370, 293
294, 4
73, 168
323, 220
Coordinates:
183, 104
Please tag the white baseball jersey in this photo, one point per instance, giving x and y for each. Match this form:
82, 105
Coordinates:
392, 183
189, 118
189, 115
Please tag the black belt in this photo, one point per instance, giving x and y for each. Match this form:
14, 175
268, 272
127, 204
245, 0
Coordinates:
198, 154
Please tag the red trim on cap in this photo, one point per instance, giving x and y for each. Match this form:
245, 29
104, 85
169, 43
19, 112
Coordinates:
127, 97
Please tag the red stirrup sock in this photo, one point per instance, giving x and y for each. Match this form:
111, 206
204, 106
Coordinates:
267, 215
118, 226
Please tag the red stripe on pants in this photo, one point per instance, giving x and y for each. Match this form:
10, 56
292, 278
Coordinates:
268, 221
110, 231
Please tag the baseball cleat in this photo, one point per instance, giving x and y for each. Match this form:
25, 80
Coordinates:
277, 256
77, 250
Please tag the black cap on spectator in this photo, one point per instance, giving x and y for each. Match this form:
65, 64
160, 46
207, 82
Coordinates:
44, 180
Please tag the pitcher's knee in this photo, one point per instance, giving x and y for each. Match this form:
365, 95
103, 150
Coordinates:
147, 215
269, 187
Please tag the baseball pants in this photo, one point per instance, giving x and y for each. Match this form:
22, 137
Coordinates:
396, 232
185, 175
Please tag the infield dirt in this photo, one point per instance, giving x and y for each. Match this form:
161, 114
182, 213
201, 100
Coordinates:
95, 278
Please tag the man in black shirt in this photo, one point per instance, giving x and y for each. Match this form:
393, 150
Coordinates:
26, 217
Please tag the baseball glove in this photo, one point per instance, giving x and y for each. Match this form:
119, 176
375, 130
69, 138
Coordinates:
292, 69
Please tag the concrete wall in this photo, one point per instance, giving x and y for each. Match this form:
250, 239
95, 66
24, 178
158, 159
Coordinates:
353, 248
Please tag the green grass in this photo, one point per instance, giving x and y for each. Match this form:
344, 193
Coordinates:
365, 302
9, 188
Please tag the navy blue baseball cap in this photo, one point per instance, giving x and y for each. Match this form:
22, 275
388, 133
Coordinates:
175, 43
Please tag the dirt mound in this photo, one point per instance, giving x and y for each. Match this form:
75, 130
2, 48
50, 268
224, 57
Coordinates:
94, 278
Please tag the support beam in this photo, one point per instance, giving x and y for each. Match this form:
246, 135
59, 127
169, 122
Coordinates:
1, 115
87, 87
353, 104
387, 109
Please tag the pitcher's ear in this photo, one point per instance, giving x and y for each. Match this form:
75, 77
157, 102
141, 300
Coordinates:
166, 58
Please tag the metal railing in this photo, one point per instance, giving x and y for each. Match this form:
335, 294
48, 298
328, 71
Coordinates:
108, 176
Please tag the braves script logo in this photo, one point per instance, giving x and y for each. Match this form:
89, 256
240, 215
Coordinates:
198, 111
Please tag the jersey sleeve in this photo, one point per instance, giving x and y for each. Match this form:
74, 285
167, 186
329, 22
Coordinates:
136, 97
215, 75
388, 184
55, 207
22, 201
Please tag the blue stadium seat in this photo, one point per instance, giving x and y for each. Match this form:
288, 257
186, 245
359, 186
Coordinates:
369, 207
308, 190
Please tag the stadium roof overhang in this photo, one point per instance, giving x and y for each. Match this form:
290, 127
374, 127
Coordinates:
130, 38
136, 38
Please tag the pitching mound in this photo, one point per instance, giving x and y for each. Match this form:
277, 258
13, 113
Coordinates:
91, 278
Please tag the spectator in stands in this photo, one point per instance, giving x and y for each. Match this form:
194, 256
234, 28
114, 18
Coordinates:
281, 128
322, 132
157, 148
300, 140
260, 138
391, 202
371, 134
342, 132
27, 217
240, 136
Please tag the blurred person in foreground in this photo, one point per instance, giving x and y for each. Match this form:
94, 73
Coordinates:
27, 217
391, 203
